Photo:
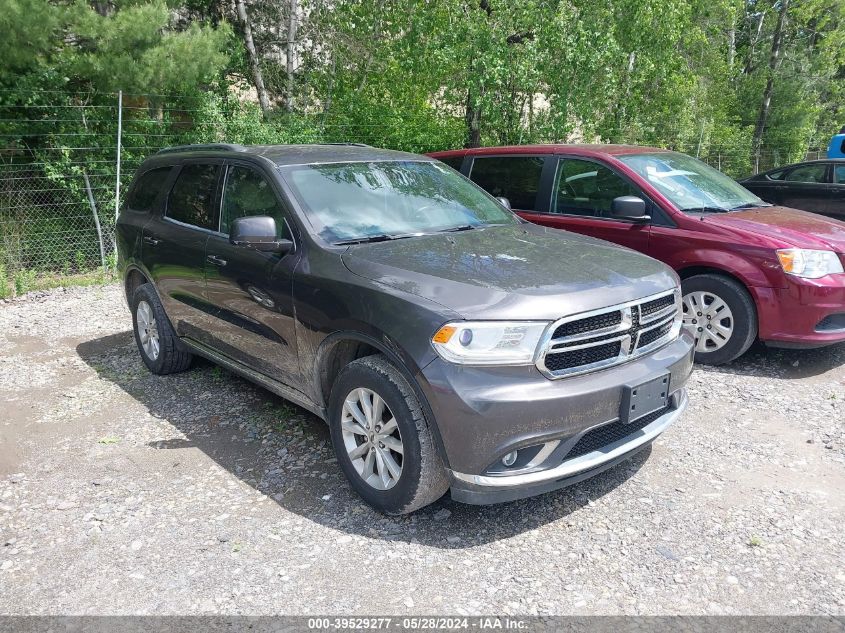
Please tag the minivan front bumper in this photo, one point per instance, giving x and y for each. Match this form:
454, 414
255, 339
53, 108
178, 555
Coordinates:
484, 413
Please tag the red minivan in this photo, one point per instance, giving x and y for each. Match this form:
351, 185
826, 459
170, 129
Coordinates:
750, 270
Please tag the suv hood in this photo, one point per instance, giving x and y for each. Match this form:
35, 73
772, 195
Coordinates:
516, 272
796, 228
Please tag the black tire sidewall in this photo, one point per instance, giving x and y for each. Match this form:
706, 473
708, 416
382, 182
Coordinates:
146, 293
742, 308
397, 498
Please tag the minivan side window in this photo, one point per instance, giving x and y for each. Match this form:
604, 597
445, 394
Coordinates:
586, 188
516, 178
192, 198
146, 189
247, 193
807, 173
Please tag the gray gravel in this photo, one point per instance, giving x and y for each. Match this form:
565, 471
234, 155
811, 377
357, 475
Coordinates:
123, 492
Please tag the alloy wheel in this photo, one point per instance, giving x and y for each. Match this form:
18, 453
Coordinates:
709, 319
148, 330
371, 438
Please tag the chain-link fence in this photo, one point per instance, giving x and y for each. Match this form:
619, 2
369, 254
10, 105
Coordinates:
66, 158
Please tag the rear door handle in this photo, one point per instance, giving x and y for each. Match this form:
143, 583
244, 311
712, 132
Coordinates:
217, 261
150, 240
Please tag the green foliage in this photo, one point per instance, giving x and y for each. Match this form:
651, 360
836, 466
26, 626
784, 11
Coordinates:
5, 289
24, 280
414, 75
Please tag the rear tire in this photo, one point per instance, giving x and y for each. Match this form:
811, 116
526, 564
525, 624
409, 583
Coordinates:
721, 316
382, 439
160, 347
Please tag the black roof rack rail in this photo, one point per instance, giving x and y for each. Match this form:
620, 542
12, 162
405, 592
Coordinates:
226, 147
349, 144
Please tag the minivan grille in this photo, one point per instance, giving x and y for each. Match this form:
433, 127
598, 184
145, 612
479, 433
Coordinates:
612, 335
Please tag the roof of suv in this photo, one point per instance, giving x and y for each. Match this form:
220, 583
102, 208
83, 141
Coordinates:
294, 154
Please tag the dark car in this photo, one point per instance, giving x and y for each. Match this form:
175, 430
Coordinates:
447, 343
750, 270
817, 186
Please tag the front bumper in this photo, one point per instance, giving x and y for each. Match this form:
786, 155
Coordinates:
479, 489
483, 413
806, 313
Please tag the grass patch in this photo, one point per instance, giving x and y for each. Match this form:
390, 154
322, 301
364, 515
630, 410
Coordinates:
25, 281
108, 440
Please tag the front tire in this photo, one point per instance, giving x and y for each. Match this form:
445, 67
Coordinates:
382, 439
720, 315
160, 347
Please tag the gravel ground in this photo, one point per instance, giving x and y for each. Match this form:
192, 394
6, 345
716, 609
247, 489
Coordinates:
126, 493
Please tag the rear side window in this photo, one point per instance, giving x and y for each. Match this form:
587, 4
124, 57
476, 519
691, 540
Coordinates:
807, 173
192, 198
839, 174
454, 162
146, 189
516, 178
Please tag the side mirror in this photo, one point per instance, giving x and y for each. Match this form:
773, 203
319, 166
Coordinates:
504, 202
259, 233
629, 208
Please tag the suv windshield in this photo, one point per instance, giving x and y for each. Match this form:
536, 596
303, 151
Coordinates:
347, 202
690, 184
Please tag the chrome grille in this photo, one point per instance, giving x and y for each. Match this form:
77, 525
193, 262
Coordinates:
602, 338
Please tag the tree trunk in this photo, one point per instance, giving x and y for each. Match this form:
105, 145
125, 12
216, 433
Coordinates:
753, 37
257, 77
289, 54
766, 102
473, 122
731, 49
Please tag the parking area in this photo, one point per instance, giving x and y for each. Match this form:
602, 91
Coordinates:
124, 492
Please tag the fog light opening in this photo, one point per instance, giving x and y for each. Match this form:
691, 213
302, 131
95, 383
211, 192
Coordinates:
510, 459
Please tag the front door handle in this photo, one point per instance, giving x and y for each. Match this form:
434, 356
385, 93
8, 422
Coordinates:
150, 240
217, 261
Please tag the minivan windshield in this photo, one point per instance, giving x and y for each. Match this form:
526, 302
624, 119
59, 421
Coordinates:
691, 184
369, 201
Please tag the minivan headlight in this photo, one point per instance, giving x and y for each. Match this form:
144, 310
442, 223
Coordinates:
489, 342
811, 264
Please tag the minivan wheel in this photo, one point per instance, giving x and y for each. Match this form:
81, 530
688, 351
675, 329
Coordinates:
382, 439
720, 315
160, 348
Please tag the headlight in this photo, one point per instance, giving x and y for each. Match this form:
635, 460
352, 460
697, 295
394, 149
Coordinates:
489, 342
808, 263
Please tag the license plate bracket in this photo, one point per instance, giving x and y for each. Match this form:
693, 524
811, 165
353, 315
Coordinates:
644, 398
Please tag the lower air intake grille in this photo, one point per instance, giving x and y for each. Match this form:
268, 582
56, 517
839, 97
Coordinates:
609, 433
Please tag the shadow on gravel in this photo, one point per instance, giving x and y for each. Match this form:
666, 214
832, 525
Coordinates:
285, 452
784, 364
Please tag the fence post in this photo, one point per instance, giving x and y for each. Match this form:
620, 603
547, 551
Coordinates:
117, 165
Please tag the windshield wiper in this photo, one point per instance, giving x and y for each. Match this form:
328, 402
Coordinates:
751, 205
381, 237
706, 210
455, 229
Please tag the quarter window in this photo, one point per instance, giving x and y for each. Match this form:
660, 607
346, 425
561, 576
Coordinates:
247, 194
839, 174
516, 178
586, 188
192, 198
146, 189
454, 162
807, 173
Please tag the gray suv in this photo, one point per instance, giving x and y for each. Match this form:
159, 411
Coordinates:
448, 344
